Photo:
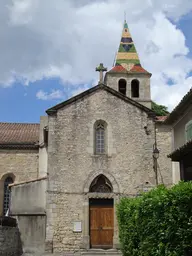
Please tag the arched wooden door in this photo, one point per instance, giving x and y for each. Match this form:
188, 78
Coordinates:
101, 214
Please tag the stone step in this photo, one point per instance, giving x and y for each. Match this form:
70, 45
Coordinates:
100, 252
90, 252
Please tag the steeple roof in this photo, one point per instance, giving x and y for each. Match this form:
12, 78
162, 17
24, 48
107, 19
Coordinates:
127, 59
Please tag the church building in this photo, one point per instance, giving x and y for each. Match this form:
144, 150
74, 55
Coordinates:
70, 171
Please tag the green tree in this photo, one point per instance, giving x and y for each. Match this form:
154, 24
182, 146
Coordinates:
160, 110
158, 222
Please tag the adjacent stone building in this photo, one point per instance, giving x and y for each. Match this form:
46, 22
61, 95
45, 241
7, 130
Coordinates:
19, 153
181, 121
93, 149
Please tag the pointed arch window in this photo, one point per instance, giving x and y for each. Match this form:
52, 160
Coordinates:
101, 185
7, 194
135, 88
100, 137
122, 86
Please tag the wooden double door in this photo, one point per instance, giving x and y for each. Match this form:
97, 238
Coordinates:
101, 214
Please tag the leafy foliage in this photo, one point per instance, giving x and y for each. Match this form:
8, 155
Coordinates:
158, 223
160, 110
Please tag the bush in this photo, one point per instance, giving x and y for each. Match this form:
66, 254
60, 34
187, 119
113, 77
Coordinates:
158, 222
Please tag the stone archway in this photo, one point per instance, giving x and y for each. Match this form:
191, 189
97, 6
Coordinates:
99, 186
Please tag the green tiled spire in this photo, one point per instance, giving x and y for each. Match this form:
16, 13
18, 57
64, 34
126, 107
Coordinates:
127, 55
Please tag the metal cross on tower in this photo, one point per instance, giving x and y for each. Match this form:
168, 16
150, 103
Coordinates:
101, 69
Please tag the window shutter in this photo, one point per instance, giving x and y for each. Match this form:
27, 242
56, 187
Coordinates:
189, 131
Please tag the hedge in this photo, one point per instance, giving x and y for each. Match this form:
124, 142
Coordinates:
158, 222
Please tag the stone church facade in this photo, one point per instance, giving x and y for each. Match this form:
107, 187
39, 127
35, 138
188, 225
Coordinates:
92, 150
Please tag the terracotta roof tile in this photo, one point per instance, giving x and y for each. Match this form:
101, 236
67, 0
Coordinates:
118, 69
135, 68
161, 118
19, 133
138, 68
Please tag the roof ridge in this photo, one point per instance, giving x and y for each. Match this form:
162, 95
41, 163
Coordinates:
54, 109
19, 123
179, 108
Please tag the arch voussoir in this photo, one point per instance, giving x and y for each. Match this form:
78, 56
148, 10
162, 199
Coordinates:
108, 175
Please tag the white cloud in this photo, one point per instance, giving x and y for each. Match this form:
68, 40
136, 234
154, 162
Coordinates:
40, 39
54, 94
80, 89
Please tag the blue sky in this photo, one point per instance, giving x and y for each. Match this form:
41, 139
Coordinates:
19, 102
185, 25
47, 60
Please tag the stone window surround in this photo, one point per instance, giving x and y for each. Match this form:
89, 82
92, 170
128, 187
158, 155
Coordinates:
122, 86
87, 195
135, 88
7, 194
100, 148
2, 179
109, 138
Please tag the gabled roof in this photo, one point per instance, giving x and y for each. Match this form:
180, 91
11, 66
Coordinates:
178, 154
180, 109
19, 135
127, 59
88, 92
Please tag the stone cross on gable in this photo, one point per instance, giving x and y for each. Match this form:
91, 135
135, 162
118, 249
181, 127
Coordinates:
101, 69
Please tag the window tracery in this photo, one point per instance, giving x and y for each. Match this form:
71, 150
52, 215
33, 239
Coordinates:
101, 185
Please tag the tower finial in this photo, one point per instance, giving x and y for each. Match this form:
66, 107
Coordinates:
125, 16
101, 69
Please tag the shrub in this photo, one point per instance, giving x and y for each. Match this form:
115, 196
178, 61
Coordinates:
158, 222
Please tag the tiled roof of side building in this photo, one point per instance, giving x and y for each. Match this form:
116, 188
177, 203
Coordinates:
161, 118
19, 135
181, 108
178, 153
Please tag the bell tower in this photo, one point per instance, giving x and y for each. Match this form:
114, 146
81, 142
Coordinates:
127, 75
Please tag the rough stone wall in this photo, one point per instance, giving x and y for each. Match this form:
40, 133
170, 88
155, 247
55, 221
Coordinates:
20, 164
10, 243
164, 144
42, 148
71, 159
64, 209
112, 81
